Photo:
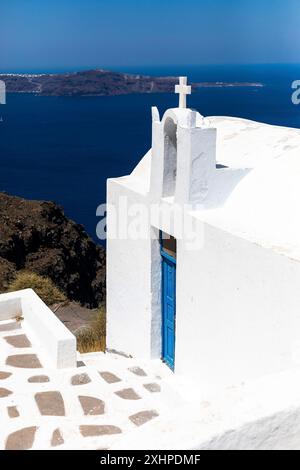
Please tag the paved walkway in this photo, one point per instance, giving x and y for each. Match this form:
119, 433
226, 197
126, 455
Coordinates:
90, 407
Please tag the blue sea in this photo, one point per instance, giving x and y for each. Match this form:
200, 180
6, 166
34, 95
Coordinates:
64, 148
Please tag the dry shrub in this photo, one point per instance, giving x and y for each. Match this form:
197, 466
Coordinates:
42, 286
93, 337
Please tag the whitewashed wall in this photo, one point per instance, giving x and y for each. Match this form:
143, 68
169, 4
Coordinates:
132, 312
238, 310
237, 306
237, 303
56, 344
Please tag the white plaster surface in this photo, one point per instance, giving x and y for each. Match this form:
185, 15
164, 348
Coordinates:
128, 260
237, 313
259, 414
261, 178
57, 343
237, 299
117, 411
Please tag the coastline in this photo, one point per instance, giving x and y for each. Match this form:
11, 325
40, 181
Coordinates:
103, 83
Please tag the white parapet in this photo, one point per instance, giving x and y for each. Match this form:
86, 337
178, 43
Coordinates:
57, 344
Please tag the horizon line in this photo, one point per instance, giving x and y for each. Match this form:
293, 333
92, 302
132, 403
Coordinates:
57, 69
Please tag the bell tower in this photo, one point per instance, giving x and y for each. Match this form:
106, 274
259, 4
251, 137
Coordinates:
183, 153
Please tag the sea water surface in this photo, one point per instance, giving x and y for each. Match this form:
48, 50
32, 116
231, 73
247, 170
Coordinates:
64, 148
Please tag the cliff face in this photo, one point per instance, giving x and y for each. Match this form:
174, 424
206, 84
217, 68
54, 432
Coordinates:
37, 236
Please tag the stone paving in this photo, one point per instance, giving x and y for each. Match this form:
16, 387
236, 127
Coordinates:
90, 407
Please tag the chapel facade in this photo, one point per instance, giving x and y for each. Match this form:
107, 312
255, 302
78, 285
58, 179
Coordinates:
208, 284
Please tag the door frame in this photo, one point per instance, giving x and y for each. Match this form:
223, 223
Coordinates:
172, 260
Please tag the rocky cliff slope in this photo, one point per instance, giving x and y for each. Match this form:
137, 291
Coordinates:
37, 236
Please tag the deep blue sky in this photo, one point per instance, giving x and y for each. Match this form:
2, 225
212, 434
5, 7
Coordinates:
37, 34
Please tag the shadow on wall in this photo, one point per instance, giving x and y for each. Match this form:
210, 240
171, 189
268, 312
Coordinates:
170, 162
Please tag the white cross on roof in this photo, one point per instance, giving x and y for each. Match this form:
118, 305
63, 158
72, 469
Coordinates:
183, 89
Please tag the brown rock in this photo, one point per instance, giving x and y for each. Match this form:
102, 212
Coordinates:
109, 377
4, 392
13, 412
91, 405
138, 371
24, 361
4, 375
101, 430
38, 379
153, 387
143, 417
80, 379
57, 438
10, 326
128, 394
79, 363
18, 341
50, 403
22, 439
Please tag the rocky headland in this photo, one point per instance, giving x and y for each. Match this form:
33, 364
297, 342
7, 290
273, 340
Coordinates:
38, 237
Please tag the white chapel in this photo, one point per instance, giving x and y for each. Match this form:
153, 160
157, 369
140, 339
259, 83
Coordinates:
210, 285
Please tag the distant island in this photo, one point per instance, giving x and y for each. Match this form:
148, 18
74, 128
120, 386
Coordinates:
228, 84
99, 83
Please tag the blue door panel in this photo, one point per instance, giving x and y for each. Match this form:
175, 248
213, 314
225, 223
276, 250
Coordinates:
169, 313
170, 348
168, 310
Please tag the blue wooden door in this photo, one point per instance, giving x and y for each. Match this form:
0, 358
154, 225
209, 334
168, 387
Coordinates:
168, 309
